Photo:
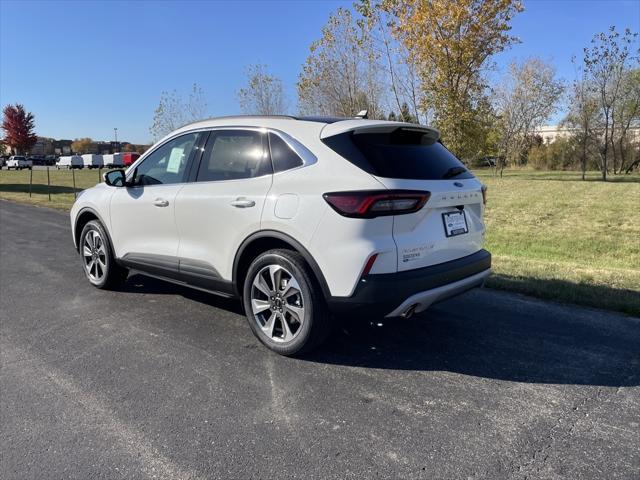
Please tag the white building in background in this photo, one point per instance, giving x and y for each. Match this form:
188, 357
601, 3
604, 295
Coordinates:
550, 133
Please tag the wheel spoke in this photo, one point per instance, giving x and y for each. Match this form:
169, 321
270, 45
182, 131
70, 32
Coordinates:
102, 263
291, 289
268, 327
261, 285
99, 270
286, 330
275, 273
86, 251
296, 312
90, 267
259, 306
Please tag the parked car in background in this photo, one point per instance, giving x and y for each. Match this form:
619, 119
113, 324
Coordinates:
18, 162
298, 217
37, 160
113, 160
129, 157
92, 160
50, 160
3, 160
70, 161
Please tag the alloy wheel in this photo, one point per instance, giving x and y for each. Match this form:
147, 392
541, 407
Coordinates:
277, 303
94, 254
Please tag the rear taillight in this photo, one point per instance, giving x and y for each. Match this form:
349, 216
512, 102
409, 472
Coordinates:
376, 203
484, 194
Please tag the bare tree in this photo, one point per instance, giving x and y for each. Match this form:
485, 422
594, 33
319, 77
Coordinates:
605, 63
627, 115
174, 111
527, 97
341, 75
583, 119
397, 64
263, 94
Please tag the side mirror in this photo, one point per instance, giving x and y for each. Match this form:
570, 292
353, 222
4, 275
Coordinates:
115, 178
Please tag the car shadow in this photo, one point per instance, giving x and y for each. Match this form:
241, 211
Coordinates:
485, 334
139, 283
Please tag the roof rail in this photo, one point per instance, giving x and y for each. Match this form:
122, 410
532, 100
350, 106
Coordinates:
230, 117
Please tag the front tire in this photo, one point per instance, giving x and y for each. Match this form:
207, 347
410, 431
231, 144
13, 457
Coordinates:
98, 260
284, 304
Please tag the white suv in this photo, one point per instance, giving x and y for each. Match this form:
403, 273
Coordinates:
19, 162
301, 218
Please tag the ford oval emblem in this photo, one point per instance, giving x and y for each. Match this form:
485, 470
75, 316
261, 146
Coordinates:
458, 184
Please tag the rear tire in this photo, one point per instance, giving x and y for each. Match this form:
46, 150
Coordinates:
284, 303
98, 260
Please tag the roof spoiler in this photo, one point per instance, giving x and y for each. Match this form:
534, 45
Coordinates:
375, 126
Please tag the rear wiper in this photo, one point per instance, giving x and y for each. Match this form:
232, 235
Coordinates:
453, 171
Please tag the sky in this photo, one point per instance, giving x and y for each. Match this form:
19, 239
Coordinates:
85, 67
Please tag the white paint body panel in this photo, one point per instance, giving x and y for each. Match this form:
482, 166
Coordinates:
420, 237
139, 226
210, 227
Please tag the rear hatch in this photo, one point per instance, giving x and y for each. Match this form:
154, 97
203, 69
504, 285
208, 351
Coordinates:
410, 157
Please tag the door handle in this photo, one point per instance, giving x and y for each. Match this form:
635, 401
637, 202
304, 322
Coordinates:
242, 202
161, 202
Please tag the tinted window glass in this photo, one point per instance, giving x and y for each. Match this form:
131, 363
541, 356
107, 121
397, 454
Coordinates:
282, 156
168, 163
402, 153
234, 154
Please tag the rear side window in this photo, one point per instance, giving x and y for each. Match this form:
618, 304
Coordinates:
282, 156
402, 153
233, 155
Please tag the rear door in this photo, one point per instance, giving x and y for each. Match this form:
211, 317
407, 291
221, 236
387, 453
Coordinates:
222, 205
450, 225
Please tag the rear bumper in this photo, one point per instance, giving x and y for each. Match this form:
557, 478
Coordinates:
391, 294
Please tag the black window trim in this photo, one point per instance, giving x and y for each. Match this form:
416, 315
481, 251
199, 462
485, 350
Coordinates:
288, 144
308, 158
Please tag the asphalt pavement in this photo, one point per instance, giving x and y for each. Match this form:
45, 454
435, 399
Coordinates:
158, 381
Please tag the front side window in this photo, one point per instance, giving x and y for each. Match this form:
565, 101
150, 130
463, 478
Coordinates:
167, 164
233, 155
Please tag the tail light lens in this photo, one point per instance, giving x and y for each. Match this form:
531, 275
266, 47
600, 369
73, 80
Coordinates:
376, 203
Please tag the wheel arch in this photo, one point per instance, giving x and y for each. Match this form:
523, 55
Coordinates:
262, 241
84, 216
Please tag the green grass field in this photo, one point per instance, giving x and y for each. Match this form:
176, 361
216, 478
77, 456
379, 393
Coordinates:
555, 236
551, 235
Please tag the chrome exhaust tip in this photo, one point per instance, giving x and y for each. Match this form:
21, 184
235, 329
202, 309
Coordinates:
409, 311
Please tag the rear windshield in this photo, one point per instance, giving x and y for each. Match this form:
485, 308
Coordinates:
402, 153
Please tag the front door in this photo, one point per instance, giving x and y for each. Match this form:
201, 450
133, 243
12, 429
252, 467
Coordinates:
143, 214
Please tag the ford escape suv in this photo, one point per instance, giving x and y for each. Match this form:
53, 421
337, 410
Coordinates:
300, 218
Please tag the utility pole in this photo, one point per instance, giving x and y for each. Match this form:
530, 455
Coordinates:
115, 130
